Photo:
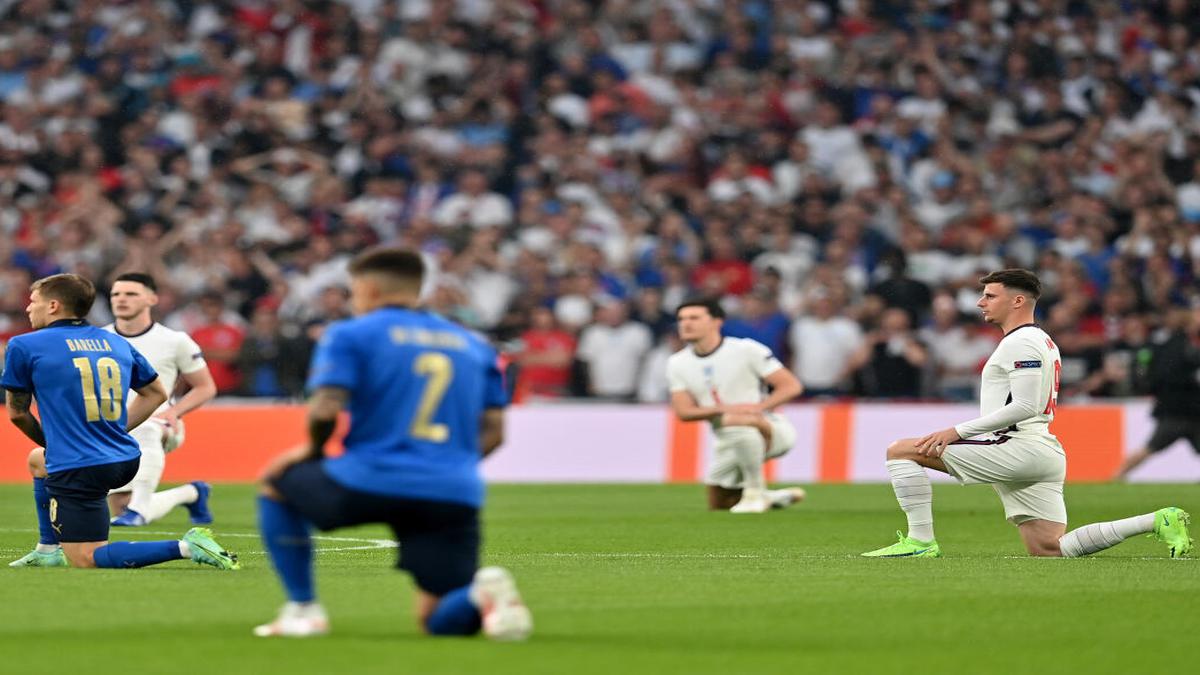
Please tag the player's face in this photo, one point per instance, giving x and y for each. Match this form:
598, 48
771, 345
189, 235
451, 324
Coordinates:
994, 303
130, 299
38, 310
695, 323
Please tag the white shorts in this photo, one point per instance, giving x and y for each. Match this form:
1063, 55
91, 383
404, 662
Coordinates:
726, 470
149, 436
1027, 473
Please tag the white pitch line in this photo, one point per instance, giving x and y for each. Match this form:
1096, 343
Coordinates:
370, 544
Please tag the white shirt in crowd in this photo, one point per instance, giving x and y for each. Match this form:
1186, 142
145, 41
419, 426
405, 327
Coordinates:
822, 348
614, 356
487, 210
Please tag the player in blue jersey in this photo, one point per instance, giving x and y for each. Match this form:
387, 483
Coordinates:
426, 400
80, 376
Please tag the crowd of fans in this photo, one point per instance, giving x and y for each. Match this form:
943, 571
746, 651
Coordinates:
840, 172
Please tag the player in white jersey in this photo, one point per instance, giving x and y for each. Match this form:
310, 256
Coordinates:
174, 355
1010, 446
721, 380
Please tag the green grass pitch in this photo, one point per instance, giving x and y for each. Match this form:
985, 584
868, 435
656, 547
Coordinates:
640, 579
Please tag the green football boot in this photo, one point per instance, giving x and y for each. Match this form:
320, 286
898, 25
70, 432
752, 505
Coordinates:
907, 548
1171, 528
206, 551
35, 559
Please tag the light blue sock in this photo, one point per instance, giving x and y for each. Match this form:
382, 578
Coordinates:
41, 498
131, 554
285, 535
455, 614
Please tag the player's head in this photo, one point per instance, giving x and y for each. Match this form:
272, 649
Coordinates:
61, 296
132, 294
385, 275
699, 318
1008, 292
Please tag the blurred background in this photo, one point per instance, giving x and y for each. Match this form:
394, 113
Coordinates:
840, 173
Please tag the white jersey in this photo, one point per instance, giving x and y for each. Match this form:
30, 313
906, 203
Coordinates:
732, 373
169, 351
1019, 389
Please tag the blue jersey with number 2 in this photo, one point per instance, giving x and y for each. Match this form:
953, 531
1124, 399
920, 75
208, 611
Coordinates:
418, 387
81, 376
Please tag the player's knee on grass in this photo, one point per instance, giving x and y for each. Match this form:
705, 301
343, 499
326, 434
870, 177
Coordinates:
37, 463
1041, 537
81, 555
722, 498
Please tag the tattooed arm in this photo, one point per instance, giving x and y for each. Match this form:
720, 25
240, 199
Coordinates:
19, 403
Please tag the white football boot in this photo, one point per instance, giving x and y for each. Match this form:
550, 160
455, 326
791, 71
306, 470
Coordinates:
752, 501
297, 619
505, 616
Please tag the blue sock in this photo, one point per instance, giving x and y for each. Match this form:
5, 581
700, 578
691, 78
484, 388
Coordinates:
41, 497
285, 534
454, 615
129, 554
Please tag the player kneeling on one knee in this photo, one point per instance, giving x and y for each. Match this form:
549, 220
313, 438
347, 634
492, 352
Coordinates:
721, 380
1010, 446
426, 402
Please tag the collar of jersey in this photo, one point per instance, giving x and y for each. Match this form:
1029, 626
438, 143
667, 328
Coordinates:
714, 349
132, 335
1024, 325
68, 322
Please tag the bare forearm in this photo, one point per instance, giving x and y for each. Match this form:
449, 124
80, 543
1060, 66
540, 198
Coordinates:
141, 409
29, 425
781, 395
195, 398
323, 410
697, 413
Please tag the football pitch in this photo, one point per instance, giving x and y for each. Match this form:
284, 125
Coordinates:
640, 579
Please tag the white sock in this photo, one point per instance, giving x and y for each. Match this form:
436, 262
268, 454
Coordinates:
915, 494
161, 503
184, 549
1089, 539
780, 498
47, 548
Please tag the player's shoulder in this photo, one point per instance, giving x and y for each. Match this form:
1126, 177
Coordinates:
1029, 334
743, 346
685, 355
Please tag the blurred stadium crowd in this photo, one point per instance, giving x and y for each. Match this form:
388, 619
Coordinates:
840, 172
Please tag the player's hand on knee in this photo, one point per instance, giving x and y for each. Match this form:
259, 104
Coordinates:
935, 444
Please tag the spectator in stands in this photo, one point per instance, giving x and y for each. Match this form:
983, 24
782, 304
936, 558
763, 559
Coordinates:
823, 342
221, 342
545, 357
891, 361
759, 319
612, 349
956, 351
272, 364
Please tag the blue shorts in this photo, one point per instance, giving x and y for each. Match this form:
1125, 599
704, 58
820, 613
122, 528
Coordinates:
439, 541
79, 499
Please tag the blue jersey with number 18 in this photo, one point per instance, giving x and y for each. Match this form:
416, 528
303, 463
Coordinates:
418, 386
80, 375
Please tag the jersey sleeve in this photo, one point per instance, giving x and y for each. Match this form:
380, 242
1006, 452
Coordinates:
762, 359
334, 364
1023, 359
18, 374
143, 373
189, 358
675, 381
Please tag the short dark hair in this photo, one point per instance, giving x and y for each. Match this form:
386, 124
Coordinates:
74, 292
140, 278
403, 264
1019, 279
715, 310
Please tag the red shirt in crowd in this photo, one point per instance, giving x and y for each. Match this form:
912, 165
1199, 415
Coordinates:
220, 343
539, 377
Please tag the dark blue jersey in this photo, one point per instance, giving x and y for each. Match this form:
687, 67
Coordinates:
418, 387
81, 376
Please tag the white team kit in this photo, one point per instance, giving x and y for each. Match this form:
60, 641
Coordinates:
171, 353
733, 373
1013, 450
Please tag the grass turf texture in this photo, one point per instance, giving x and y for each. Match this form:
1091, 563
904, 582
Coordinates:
633, 579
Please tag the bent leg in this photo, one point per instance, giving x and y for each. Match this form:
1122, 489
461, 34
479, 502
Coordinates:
1041, 537
47, 537
911, 486
722, 498
1096, 537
